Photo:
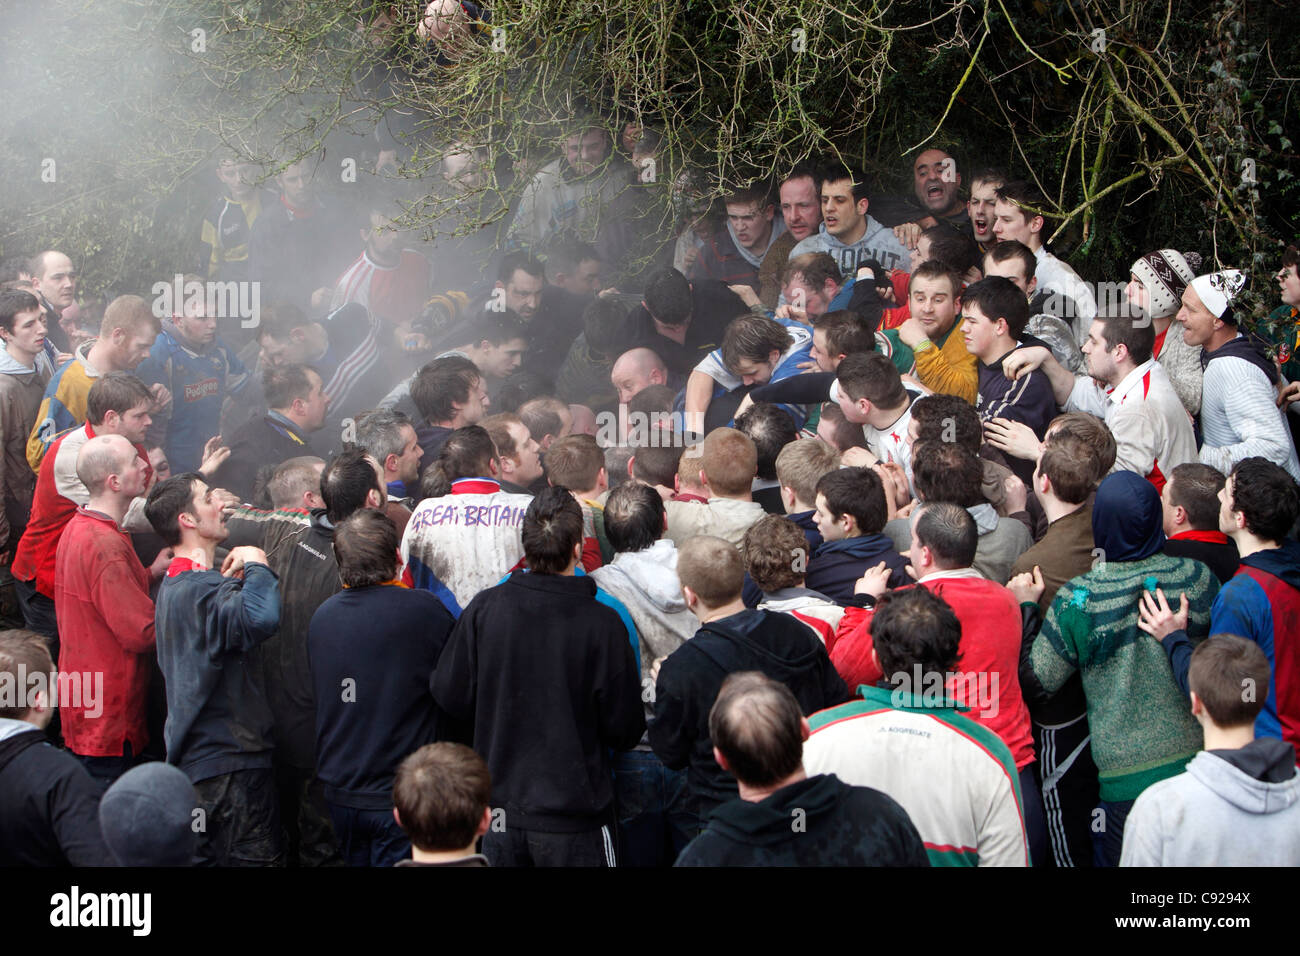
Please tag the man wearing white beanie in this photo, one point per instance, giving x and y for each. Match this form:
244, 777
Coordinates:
1239, 413
1156, 284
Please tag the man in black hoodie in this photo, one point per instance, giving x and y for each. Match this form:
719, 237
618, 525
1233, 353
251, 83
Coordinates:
731, 638
783, 816
545, 670
49, 805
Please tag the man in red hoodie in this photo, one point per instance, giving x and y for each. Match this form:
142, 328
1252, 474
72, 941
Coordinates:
944, 540
101, 597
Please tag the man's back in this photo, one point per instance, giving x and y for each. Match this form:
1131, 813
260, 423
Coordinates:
49, 805
466, 541
549, 680
726, 518
1231, 808
820, 821
776, 644
956, 779
262, 442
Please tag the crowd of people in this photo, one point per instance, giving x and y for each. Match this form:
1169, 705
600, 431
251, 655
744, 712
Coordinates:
815, 539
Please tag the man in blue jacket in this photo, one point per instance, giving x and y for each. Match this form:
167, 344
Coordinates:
851, 514
218, 722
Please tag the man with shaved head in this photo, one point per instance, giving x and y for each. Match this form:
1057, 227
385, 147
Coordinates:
55, 282
636, 369
101, 599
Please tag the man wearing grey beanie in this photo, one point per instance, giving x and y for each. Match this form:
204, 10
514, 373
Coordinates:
151, 817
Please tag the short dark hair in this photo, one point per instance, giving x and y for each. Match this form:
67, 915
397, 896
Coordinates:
552, 529
844, 433
1072, 468
753, 338
1267, 496
845, 332
1023, 194
634, 517
933, 268
167, 501
1223, 668
857, 492
656, 464
566, 254
949, 531
345, 483
801, 170
13, 302
988, 174
668, 297
943, 471
365, 545
490, 326
756, 724
948, 418
284, 384
574, 461
1118, 329
834, 172
441, 384
776, 553
541, 416
440, 793
1009, 249
1090, 430
24, 654
115, 392
467, 453
914, 627
872, 376
956, 251
520, 262
603, 321
770, 428
998, 298
1195, 488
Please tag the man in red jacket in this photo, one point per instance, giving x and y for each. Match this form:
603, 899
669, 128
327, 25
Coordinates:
944, 540
101, 597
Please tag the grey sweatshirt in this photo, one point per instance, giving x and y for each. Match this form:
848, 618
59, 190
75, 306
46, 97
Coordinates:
1231, 808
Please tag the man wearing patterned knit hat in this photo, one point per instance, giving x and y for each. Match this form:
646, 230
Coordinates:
1239, 413
1156, 284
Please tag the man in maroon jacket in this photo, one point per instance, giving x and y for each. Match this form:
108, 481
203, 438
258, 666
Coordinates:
101, 597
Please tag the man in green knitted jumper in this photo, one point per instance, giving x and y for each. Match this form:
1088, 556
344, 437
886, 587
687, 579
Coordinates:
1142, 731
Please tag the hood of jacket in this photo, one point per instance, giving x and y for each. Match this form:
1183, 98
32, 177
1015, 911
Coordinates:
746, 641
794, 599
651, 573
11, 366
1258, 778
1282, 562
1243, 347
778, 229
767, 822
986, 518
865, 546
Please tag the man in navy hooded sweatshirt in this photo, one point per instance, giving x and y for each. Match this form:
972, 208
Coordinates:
851, 513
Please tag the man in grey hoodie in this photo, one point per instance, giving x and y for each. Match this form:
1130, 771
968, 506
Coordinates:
652, 821
1238, 804
847, 232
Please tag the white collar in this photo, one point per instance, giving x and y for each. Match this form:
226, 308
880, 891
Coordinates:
952, 573
1130, 382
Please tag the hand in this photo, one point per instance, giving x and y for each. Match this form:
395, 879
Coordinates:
688, 260
1288, 395
161, 397
874, 582
788, 311
214, 455
808, 367
161, 563
906, 510
1023, 361
898, 475
746, 293
858, 458
1017, 494
908, 234
606, 293
910, 332
238, 557
891, 490
321, 298
62, 358
1028, 587
1015, 438
654, 668
228, 499
1156, 618
414, 342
